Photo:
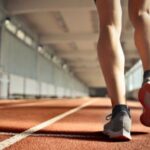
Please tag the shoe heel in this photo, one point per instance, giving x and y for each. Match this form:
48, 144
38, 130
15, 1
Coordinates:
144, 95
120, 135
144, 118
144, 98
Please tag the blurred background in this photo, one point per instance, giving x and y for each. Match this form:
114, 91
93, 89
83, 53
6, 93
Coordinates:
48, 49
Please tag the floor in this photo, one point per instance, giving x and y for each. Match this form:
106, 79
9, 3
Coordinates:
65, 124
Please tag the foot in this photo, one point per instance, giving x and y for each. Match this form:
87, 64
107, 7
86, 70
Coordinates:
144, 98
119, 126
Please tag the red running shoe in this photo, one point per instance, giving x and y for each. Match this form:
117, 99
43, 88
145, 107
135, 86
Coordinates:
144, 98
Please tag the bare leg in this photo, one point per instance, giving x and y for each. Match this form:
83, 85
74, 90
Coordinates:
139, 11
110, 52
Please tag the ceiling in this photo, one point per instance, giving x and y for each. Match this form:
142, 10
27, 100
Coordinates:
70, 27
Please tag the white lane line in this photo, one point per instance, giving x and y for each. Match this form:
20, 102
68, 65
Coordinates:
10, 141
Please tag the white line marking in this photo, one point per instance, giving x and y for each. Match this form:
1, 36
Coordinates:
6, 143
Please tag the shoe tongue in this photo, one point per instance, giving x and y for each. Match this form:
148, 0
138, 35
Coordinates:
146, 74
119, 108
146, 77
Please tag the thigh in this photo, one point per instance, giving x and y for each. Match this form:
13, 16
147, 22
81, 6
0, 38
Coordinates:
110, 12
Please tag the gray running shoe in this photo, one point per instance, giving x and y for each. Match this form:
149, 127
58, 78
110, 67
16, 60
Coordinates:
119, 126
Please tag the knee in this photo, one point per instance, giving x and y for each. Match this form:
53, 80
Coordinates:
143, 15
140, 17
108, 33
109, 29
108, 39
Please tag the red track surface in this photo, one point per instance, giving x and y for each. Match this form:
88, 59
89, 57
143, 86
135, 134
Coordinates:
81, 130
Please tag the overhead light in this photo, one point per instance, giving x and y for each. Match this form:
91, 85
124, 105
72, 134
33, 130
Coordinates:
21, 34
28, 40
47, 55
10, 26
57, 60
7, 21
40, 49
54, 58
64, 66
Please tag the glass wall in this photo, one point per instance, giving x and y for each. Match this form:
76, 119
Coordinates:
134, 77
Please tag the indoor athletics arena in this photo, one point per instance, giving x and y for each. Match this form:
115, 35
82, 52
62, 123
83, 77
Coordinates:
52, 91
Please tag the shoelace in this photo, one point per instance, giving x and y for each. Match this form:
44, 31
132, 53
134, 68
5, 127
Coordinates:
109, 117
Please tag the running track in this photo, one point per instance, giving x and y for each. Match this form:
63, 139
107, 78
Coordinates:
64, 124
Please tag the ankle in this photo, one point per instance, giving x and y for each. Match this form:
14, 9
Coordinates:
121, 108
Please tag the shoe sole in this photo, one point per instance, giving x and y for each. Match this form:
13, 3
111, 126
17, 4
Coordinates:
119, 135
144, 98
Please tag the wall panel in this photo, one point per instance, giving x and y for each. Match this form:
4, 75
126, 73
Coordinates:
18, 58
